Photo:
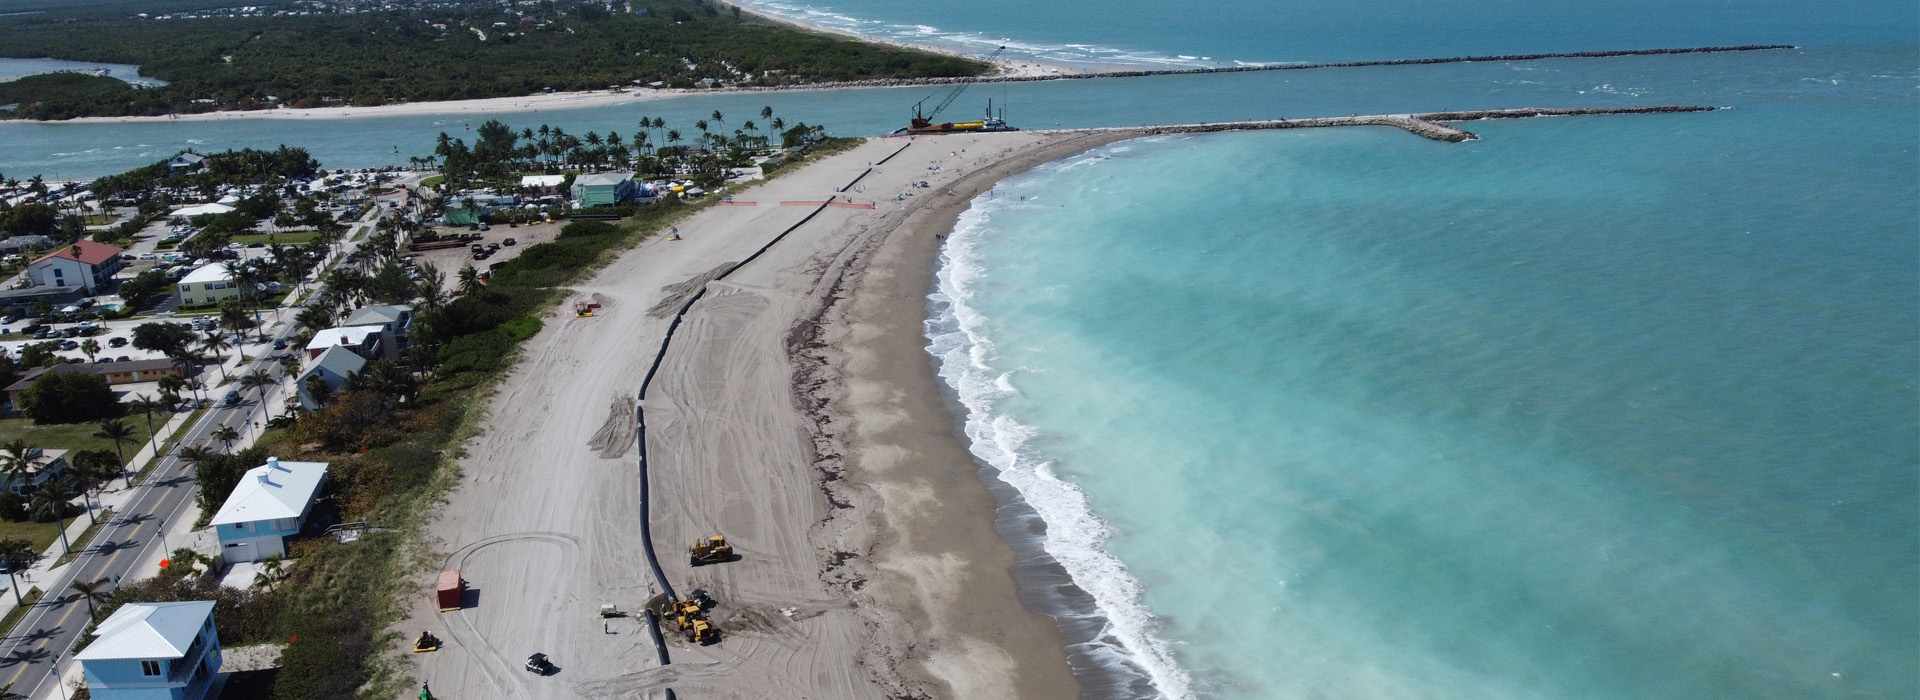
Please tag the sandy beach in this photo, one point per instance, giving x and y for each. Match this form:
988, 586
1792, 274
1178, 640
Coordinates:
797, 413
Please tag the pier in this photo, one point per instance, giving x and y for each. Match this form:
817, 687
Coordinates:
1425, 125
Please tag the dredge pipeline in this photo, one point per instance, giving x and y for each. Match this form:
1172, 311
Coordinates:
1264, 67
640, 419
1425, 125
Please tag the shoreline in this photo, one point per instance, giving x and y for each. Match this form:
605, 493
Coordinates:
891, 437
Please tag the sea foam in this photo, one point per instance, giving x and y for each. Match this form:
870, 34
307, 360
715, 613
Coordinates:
1075, 536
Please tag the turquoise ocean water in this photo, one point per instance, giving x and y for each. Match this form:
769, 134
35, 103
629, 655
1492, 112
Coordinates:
1588, 408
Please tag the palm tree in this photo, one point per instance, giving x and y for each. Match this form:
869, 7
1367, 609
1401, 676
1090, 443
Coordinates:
257, 379
432, 287
18, 460
119, 432
194, 454
16, 554
146, 407
196, 386
226, 435
469, 280
271, 573
766, 112
215, 343
6, 691
90, 348
94, 593
48, 502
318, 390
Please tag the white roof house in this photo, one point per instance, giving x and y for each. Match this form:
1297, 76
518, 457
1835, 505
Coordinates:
542, 180
210, 272
198, 209
345, 335
148, 631
272, 491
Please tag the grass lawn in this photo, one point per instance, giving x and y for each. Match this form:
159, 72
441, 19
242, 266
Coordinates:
41, 535
74, 436
284, 238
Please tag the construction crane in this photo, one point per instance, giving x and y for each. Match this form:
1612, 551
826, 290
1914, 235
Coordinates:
951, 96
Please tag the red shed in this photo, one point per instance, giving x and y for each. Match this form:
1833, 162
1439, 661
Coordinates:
450, 589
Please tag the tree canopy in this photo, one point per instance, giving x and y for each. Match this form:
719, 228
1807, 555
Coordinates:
419, 52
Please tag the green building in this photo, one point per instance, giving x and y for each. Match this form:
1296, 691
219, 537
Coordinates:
602, 189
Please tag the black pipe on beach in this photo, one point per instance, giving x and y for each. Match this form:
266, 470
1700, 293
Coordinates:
640, 419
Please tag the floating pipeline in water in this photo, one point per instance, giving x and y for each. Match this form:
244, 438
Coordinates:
1270, 67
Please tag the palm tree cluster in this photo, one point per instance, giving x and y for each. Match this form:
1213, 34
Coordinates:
651, 148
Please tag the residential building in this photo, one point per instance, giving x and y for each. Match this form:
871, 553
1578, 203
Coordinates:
395, 322
153, 651
20, 302
86, 264
115, 373
362, 340
333, 366
48, 465
602, 189
185, 163
208, 285
542, 185
22, 244
271, 504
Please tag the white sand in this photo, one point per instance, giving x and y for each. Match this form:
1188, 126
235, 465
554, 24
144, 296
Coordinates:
897, 586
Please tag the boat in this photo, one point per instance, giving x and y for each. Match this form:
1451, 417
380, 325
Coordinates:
924, 125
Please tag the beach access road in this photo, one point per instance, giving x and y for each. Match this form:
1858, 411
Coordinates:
544, 521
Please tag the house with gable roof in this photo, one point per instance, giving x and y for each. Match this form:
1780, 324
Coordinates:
270, 504
86, 264
153, 651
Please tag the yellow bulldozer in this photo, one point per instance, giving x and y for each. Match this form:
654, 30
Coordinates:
712, 550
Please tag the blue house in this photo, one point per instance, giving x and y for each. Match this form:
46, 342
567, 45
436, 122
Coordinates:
153, 651
270, 504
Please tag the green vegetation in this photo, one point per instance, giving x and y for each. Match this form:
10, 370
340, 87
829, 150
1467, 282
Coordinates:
41, 535
286, 238
420, 53
77, 88
73, 436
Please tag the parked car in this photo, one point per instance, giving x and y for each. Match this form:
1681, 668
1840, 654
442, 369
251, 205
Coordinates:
123, 358
69, 345
116, 342
509, 242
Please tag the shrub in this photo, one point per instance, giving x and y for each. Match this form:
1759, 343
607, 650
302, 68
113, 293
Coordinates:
12, 509
584, 229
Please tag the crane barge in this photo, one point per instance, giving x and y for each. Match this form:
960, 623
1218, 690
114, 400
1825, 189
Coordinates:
925, 124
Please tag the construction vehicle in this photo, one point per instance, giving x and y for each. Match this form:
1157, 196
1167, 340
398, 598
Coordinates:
426, 642
539, 664
924, 124
700, 631
610, 610
712, 550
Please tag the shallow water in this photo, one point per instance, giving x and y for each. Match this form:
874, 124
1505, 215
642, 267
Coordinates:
14, 68
1590, 408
